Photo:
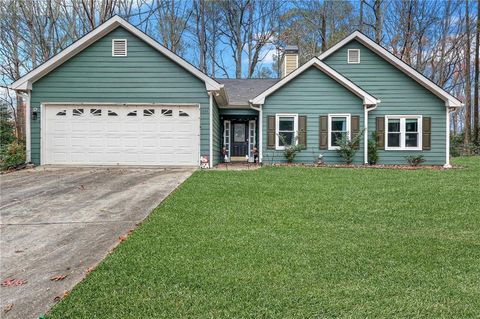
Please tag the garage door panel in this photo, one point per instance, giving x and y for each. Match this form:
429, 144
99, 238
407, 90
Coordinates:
107, 135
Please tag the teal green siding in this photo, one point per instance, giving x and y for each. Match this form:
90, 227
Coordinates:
144, 76
400, 95
312, 94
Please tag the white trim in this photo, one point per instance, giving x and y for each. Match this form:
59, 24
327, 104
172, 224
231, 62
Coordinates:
25, 82
277, 126
210, 114
28, 127
120, 104
113, 47
250, 144
229, 142
450, 100
348, 116
348, 56
367, 98
43, 130
402, 119
447, 144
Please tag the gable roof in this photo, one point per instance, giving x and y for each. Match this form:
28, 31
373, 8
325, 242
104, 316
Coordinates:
368, 99
450, 100
240, 91
25, 82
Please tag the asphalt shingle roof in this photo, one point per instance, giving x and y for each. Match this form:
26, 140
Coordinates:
240, 91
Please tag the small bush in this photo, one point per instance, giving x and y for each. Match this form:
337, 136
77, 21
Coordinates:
12, 155
349, 147
290, 150
373, 149
415, 160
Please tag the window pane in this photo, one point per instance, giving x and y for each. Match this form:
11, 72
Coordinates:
336, 138
239, 132
393, 139
411, 139
287, 138
411, 125
286, 124
394, 125
339, 124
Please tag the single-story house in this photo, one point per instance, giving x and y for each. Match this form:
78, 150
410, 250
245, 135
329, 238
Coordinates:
118, 97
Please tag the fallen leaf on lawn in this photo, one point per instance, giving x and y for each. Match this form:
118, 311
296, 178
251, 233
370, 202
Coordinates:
130, 231
122, 238
58, 277
82, 187
65, 294
90, 269
13, 282
8, 307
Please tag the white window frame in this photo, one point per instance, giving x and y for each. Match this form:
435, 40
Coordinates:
113, 48
277, 129
252, 128
348, 56
227, 134
403, 119
349, 130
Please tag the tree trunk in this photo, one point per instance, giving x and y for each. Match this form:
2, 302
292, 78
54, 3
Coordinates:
360, 18
378, 20
468, 115
476, 137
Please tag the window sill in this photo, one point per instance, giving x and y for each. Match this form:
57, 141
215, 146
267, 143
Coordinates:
333, 148
403, 149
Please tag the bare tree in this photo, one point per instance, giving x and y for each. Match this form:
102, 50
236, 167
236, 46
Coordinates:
476, 123
468, 116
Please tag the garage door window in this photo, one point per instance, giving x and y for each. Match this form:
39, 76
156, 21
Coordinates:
112, 113
96, 112
182, 113
78, 112
62, 113
167, 112
148, 112
133, 113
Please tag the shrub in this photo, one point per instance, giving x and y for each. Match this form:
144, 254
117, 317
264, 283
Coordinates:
415, 160
348, 147
373, 149
12, 155
290, 150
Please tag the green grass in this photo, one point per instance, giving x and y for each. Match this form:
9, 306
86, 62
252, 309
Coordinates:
299, 243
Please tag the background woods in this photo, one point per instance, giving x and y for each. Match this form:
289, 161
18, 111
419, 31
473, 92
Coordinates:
242, 39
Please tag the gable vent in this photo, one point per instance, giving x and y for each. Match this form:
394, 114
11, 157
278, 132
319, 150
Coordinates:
119, 47
354, 56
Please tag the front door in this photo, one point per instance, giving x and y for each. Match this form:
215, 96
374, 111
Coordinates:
239, 139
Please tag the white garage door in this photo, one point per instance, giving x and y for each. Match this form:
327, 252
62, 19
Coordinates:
121, 135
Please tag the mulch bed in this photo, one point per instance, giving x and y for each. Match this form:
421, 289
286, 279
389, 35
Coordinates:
398, 167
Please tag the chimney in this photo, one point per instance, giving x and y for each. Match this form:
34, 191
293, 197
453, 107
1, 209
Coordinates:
289, 60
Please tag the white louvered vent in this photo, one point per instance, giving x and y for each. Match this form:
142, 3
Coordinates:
354, 56
119, 47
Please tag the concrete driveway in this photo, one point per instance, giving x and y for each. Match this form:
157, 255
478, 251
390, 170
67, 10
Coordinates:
62, 221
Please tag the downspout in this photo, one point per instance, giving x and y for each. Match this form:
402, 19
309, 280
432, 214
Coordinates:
210, 162
260, 130
447, 142
365, 125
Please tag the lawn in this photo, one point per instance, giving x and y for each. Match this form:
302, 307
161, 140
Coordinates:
292, 242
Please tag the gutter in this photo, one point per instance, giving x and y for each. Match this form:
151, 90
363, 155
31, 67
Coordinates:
210, 114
